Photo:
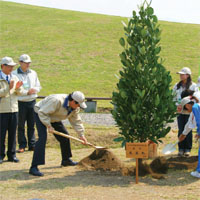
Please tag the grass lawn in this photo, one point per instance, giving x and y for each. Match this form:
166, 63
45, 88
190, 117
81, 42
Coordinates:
79, 51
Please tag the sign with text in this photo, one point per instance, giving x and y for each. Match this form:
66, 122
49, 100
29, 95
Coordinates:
137, 150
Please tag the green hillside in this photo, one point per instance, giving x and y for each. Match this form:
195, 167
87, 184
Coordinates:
79, 51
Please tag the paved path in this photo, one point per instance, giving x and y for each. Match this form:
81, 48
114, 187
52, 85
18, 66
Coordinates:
103, 119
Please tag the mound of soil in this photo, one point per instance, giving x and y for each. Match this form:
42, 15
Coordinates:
144, 169
105, 160
101, 160
183, 162
159, 165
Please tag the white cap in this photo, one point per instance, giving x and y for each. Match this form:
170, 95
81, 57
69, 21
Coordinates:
80, 98
185, 101
185, 70
7, 61
25, 58
198, 82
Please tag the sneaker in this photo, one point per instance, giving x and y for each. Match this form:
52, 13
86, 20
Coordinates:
187, 154
195, 174
180, 153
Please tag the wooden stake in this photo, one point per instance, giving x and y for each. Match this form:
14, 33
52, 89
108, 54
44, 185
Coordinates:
136, 174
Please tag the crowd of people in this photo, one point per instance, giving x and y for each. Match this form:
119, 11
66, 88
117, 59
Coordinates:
18, 93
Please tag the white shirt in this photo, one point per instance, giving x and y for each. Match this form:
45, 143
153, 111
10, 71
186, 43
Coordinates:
5, 75
197, 95
30, 80
177, 92
190, 124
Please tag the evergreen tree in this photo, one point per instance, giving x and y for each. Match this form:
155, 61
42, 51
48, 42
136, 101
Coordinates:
143, 100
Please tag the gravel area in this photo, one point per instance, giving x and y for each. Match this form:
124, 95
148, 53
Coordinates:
104, 120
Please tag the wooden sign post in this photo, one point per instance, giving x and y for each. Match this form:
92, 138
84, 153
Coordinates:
137, 150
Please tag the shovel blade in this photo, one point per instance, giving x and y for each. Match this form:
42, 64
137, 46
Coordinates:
100, 148
168, 149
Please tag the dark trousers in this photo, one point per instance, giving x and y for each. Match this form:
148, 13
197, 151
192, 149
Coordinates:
185, 145
39, 152
8, 122
26, 114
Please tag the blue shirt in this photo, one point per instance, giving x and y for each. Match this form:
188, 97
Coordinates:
196, 112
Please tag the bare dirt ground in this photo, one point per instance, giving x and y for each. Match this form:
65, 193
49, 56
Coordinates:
75, 183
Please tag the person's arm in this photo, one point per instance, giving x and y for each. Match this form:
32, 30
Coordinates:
77, 124
17, 87
37, 85
4, 89
46, 109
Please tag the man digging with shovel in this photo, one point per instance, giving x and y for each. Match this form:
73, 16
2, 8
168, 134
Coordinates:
49, 114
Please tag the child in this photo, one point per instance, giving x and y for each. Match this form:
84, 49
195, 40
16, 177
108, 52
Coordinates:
193, 108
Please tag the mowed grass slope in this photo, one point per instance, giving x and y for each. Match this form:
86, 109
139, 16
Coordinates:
79, 51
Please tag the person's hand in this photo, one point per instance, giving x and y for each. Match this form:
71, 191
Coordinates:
179, 108
31, 91
181, 137
18, 84
50, 129
197, 136
83, 138
11, 84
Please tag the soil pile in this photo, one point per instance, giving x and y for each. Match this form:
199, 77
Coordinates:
105, 160
159, 165
101, 160
183, 162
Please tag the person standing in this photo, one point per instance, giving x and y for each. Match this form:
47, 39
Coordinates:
49, 114
183, 115
26, 103
198, 82
10, 87
188, 103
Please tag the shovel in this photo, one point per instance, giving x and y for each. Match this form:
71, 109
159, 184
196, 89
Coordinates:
169, 148
74, 138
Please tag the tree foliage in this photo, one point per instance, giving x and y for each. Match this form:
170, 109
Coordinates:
143, 100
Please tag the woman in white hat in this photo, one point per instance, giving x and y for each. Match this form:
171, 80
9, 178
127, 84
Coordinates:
185, 83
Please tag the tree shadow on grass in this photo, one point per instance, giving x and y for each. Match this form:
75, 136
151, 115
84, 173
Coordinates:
107, 179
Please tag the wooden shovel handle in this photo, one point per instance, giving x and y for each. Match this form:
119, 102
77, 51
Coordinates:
67, 136
73, 138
